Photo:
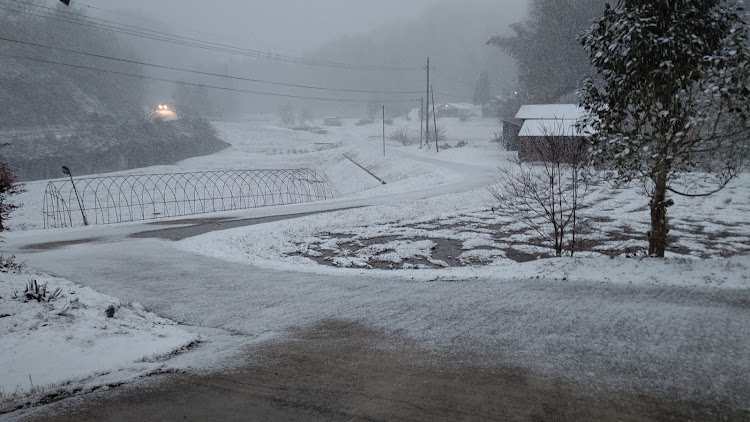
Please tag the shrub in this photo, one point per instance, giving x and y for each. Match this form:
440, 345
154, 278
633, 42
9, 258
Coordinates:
39, 293
401, 135
441, 134
8, 187
10, 264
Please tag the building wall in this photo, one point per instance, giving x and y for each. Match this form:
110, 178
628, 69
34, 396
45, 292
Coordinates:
564, 149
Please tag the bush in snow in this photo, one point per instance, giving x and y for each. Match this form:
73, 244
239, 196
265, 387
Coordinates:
10, 264
39, 293
546, 195
401, 135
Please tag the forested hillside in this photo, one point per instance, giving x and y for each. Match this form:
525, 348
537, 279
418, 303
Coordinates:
42, 94
55, 101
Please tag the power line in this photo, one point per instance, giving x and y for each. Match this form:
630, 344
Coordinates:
84, 20
207, 73
271, 94
129, 32
153, 21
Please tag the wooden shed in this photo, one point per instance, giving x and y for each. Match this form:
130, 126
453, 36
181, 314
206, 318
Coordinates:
549, 132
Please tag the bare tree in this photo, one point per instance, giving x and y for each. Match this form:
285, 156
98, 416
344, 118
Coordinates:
288, 115
546, 194
441, 134
401, 135
305, 116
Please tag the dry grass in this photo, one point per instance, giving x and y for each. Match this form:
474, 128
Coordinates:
10, 264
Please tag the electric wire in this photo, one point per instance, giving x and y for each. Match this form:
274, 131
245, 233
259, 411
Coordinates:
186, 41
361, 91
271, 94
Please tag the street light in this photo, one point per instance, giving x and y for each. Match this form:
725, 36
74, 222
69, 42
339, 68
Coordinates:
66, 170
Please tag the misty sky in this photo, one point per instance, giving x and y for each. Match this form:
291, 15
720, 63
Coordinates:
291, 25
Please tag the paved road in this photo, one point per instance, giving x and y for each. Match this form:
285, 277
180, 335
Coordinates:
666, 345
344, 371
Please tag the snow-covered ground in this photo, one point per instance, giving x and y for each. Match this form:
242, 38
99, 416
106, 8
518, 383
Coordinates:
432, 221
68, 343
458, 236
261, 145
48, 346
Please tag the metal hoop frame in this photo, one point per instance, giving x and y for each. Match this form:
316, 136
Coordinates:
117, 199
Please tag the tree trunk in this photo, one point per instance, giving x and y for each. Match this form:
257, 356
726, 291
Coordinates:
657, 237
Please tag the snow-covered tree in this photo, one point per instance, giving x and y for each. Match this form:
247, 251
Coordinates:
673, 103
551, 63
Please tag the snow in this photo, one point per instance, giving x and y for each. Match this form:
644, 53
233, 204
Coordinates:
43, 344
550, 111
279, 245
260, 145
633, 323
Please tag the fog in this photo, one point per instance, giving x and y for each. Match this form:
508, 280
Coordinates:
288, 25
388, 33
328, 56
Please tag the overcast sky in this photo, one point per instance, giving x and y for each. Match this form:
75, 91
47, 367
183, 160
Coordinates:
291, 25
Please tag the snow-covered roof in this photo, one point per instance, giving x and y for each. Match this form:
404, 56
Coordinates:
550, 127
551, 111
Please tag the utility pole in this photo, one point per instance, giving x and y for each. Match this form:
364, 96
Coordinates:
427, 108
421, 118
383, 131
434, 119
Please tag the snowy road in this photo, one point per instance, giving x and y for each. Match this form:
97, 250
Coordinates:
692, 343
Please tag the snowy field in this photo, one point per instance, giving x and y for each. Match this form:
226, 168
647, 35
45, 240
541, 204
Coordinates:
262, 145
431, 221
459, 236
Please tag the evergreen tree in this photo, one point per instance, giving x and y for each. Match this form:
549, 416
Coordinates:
483, 90
550, 60
673, 102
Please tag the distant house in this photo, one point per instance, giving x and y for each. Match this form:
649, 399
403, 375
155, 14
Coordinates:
549, 131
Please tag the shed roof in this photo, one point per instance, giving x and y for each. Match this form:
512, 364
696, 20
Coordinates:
551, 111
